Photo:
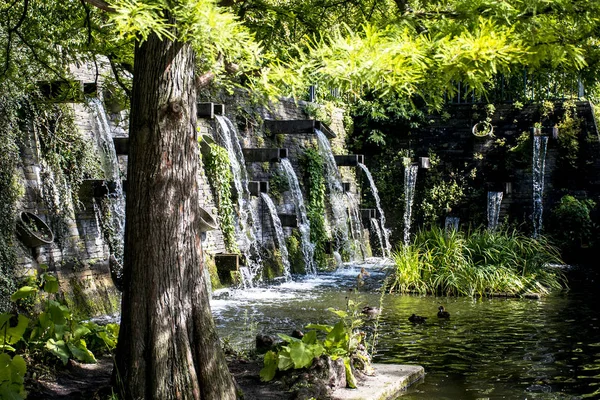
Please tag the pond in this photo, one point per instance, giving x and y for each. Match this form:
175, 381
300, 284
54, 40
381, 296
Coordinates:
499, 348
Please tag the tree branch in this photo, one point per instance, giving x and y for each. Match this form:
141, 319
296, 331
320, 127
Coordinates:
115, 71
10, 32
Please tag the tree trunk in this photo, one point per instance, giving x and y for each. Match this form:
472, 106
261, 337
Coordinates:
168, 346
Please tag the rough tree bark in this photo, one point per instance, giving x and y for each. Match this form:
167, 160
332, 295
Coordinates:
168, 346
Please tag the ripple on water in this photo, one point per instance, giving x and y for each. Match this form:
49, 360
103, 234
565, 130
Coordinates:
490, 348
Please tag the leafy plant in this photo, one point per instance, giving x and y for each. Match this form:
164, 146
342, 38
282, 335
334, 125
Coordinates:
479, 263
569, 130
56, 331
571, 223
220, 178
278, 184
312, 162
341, 340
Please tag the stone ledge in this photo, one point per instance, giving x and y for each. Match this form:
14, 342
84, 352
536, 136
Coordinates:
389, 381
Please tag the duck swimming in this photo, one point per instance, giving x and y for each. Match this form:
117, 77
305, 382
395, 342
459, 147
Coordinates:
442, 313
417, 319
370, 311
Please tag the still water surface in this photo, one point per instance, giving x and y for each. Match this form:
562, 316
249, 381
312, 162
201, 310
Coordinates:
489, 349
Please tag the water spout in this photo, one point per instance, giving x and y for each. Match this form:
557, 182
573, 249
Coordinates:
116, 198
386, 246
246, 235
451, 223
377, 229
279, 236
494, 200
341, 205
308, 248
410, 180
540, 144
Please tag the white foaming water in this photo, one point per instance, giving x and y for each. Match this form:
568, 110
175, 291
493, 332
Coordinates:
383, 232
494, 201
336, 194
246, 235
410, 181
540, 144
110, 164
308, 248
279, 236
375, 227
293, 290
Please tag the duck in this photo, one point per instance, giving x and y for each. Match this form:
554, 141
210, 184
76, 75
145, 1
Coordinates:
417, 319
371, 311
442, 313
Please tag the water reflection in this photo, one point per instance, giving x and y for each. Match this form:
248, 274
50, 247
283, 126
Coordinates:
490, 348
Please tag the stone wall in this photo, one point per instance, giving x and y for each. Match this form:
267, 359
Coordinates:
80, 255
497, 161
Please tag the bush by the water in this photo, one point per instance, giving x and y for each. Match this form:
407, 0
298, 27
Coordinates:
482, 263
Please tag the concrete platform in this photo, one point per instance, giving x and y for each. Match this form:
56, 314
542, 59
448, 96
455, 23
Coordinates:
389, 382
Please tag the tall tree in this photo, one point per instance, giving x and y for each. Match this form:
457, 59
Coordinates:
168, 346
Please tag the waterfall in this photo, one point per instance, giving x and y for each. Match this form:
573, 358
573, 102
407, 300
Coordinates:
356, 228
540, 144
110, 164
246, 235
410, 180
308, 248
494, 200
337, 199
451, 223
279, 236
386, 246
375, 228
338, 259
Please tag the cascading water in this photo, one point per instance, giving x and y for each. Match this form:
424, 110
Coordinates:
110, 164
494, 201
387, 247
339, 203
410, 180
451, 223
375, 228
246, 235
356, 228
540, 144
308, 248
279, 236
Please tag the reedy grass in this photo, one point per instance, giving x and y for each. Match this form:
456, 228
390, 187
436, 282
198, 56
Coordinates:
477, 263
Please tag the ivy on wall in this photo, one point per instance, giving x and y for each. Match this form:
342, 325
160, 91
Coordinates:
10, 190
312, 163
66, 159
220, 178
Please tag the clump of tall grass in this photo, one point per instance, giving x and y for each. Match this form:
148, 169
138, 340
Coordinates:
477, 263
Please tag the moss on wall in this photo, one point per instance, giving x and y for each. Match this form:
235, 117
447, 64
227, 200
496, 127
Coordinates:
209, 264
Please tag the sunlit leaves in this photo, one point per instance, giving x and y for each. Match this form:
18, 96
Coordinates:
473, 57
137, 19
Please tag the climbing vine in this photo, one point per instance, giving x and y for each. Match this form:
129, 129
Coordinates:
220, 179
66, 159
278, 184
312, 162
569, 129
10, 190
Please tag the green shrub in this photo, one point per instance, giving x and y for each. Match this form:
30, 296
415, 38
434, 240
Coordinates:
312, 162
341, 340
480, 263
571, 224
220, 178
